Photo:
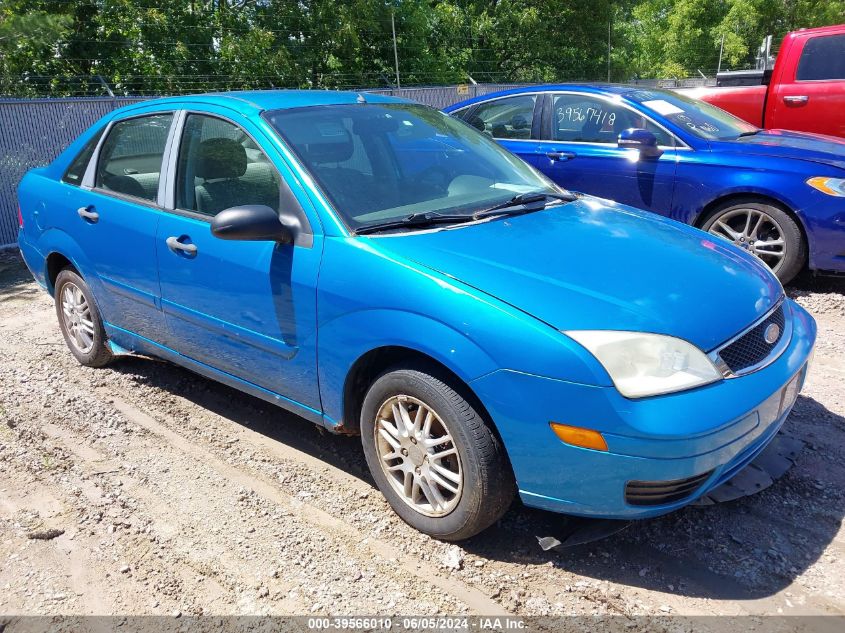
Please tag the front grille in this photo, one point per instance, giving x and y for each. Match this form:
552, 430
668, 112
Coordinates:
655, 493
752, 347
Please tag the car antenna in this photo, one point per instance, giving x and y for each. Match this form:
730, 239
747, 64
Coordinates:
361, 98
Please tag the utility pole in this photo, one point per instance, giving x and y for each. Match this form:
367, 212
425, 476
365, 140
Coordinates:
609, 24
721, 48
395, 50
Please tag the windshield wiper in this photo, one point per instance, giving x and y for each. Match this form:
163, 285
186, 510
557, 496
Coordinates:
519, 203
413, 220
749, 133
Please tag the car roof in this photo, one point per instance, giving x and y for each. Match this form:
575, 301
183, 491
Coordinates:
257, 101
592, 88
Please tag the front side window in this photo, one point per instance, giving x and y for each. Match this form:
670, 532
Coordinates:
507, 118
76, 171
131, 156
220, 167
696, 117
822, 58
579, 118
380, 162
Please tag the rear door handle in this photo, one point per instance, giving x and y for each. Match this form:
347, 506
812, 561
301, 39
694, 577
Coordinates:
88, 213
174, 245
560, 156
796, 99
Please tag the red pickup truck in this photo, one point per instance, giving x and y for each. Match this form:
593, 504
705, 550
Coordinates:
805, 91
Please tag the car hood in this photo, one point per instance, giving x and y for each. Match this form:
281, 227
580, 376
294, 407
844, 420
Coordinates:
817, 148
593, 264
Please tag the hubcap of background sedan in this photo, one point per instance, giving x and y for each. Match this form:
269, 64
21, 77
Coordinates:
418, 456
755, 231
77, 318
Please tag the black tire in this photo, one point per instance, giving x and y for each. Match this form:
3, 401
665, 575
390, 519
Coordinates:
488, 485
99, 353
795, 256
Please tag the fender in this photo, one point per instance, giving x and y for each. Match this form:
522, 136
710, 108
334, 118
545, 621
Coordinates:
57, 241
345, 339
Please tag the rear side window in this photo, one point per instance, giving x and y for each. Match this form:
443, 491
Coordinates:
822, 58
131, 156
508, 118
76, 172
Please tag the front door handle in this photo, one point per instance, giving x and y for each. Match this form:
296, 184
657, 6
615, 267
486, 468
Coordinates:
89, 214
796, 100
175, 245
560, 156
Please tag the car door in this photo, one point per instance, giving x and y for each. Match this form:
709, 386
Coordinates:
244, 308
513, 121
579, 151
811, 98
114, 216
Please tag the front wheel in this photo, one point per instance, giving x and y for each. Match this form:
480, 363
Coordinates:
763, 230
433, 456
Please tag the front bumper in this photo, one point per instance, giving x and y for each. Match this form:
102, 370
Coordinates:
716, 429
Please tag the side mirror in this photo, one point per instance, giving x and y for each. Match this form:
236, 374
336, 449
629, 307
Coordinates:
251, 222
642, 140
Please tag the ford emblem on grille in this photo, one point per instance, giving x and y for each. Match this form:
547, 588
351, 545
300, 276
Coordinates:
772, 333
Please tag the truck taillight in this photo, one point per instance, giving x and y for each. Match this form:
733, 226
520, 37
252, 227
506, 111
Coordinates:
20, 217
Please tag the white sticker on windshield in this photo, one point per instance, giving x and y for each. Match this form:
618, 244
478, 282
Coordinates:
662, 107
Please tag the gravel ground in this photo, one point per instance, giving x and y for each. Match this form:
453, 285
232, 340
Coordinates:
145, 489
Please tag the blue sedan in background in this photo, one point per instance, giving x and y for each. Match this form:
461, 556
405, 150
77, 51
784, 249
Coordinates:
777, 194
381, 268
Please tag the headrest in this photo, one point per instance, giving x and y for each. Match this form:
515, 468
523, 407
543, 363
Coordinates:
322, 141
221, 158
519, 122
322, 152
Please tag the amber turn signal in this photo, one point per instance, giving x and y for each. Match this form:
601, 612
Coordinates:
585, 438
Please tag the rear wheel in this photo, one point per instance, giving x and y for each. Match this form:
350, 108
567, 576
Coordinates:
80, 320
432, 455
763, 230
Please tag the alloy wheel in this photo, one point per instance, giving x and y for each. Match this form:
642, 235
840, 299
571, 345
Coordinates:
755, 231
77, 318
417, 454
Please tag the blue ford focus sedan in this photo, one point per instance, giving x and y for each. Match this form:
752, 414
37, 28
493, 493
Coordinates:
383, 269
780, 195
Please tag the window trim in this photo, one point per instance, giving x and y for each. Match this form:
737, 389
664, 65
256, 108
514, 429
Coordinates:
305, 236
538, 114
89, 180
680, 144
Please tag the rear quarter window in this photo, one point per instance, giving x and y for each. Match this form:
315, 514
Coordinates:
76, 171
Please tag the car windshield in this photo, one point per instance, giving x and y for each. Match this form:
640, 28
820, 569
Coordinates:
383, 162
697, 117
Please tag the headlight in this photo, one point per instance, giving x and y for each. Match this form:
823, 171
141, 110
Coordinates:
830, 186
648, 364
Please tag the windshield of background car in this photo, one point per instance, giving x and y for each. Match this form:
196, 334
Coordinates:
383, 162
699, 118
